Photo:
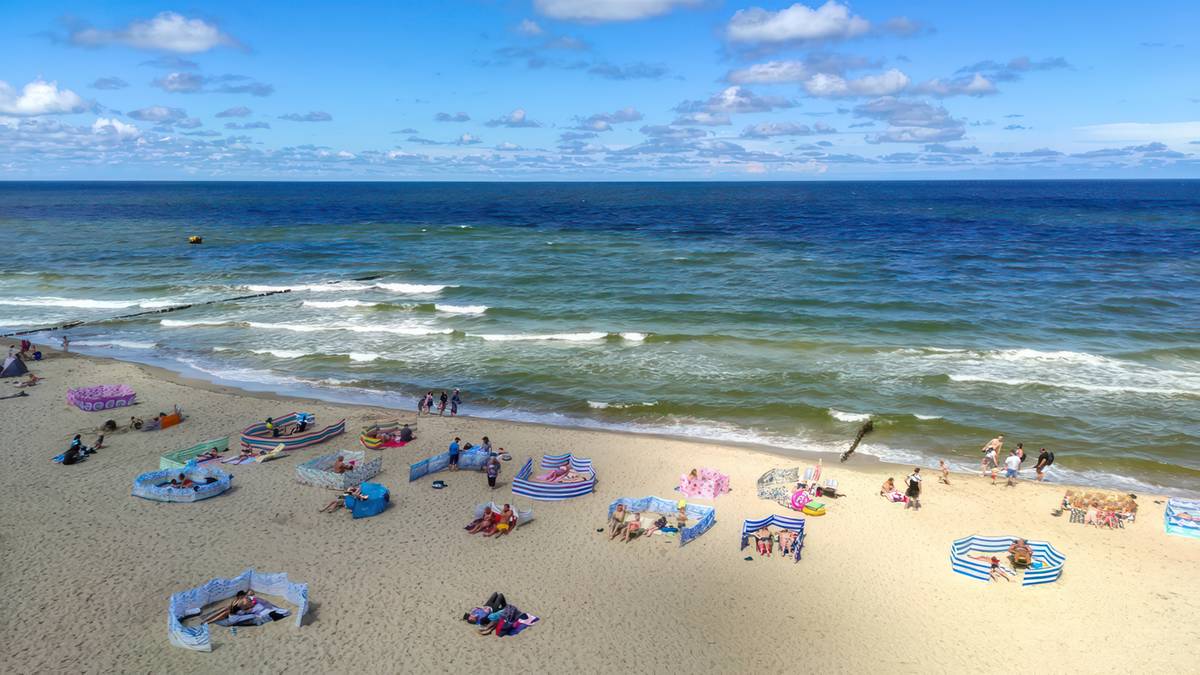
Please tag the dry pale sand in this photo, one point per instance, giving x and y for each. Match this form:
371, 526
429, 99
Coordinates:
86, 569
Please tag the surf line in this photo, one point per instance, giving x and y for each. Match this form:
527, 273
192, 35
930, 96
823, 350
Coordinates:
163, 310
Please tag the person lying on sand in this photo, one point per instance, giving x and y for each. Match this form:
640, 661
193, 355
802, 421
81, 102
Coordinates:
996, 570
32, 381
681, 518
135, 423
633, 529
243, 602
658, 524
506, 523
479, 523
616, 523
340, 502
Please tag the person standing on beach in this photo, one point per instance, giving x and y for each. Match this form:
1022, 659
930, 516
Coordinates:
442, 403
493, 470
1044, 460
1012, 464
1020, 452
66, 342
455, 401
454, 450
991, 454
914, 490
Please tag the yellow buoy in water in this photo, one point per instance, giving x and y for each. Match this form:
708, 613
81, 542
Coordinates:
195, 240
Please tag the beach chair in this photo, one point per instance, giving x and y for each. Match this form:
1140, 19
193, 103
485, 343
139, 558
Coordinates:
1078, 515
830, 489
808, 476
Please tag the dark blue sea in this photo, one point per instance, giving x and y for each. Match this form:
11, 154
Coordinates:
1062, 314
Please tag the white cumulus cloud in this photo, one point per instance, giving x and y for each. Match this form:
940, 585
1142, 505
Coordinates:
39, 98
115, 127
823, 85
798, 23
167, 31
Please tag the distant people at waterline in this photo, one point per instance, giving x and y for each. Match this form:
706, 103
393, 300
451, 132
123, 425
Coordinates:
1044, 460
455, 401
442, 400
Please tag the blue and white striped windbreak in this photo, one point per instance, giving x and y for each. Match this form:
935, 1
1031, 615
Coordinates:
783, 522
1183, 517
960, 561
524, 483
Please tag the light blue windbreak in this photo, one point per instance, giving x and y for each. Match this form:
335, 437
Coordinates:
1052, 560
192, 601
150, 484
1183, 517
468, 459
702, 517
319, 470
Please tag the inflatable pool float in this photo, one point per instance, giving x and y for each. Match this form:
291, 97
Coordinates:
102, 397
800, 499
813, 509
155, 485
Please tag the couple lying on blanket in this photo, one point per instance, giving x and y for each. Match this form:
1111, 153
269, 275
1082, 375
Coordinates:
562, 474
245, 608
499, 617
493, 523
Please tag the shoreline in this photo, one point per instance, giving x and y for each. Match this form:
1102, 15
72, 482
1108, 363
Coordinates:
861, 458
412, 571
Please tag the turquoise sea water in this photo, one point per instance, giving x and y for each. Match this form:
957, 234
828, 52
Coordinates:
1063, 314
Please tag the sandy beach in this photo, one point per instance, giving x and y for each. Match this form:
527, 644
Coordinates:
86, 570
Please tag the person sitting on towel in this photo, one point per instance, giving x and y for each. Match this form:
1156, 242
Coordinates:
1020, 552
616, 522
787, 539
275, 431
182, 482
301, 425
481, 522
342, 466
406, 434
242, 603
506, 523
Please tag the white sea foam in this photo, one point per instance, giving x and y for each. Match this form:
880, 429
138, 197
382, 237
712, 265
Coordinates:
101, 342
83, 303
927, 417
181, 323
337, 304
363, 357
413, 289
598, 405
353, 327
634, 337
461, 309
345, 286
849, 416
560, 337
282, 353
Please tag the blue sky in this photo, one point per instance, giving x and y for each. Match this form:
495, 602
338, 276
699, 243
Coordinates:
599, 90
